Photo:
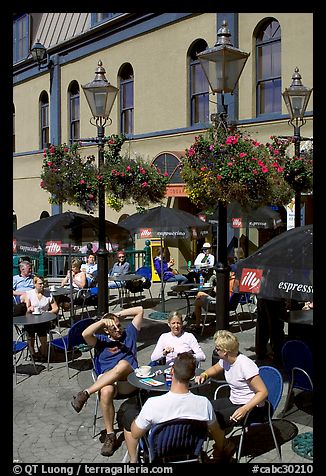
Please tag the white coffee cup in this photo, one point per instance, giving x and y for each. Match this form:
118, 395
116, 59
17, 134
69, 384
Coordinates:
52, 288
145, 369
36, 310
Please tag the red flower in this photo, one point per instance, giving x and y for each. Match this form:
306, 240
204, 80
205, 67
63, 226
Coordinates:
82, 182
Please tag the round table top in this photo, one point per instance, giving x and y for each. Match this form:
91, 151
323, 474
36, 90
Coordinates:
64, 291
136, 381
30, 318
301, 317
191, 287
125, 277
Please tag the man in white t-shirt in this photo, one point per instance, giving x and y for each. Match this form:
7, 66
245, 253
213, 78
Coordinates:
179, 402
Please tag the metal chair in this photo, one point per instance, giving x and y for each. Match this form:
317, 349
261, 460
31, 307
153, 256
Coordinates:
298, 365
233, 305
70, 341
273, 380
175, 441
18, 347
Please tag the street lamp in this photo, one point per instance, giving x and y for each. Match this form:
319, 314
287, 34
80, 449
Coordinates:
296, 98
100, 95
222, 66
39, 53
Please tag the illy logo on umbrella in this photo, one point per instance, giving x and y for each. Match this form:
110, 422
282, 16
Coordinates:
53, 248
145, 232
250, 280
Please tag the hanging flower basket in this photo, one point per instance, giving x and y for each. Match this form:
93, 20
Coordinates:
75, 180
226, 165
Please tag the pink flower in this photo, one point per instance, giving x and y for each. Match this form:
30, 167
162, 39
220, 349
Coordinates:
166, 174
128, 168
230, 164
42, 184
231, 140
242, 155
90, 196
255, 172
211, 147
122, 174
111, 141
50, 164
255, 143
82, 182
264, 169
219, 177
280, 169
66, 149
275, 151
51, 150
144, 184
191, 152
203, 169
99, 177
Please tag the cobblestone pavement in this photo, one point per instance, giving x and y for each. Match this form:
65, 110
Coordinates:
46, 429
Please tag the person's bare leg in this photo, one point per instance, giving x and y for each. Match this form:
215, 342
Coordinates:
119, 372
106, 402
132, 444
44, 346
198, 305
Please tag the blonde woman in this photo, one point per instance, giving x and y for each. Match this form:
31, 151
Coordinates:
79, 280
172, 343
42, 299
247, 389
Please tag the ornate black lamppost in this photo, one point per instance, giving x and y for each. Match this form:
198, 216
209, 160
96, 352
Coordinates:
296, 98
100, 95
222, 66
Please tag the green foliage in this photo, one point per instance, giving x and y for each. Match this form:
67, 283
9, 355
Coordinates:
226, 165
74, 180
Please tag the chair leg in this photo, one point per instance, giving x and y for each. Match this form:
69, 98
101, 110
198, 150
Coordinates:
288, 398
95, 414
278, 449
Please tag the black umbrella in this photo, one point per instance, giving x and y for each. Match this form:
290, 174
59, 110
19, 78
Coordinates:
163, 222
282, 268
262, 217
66, 230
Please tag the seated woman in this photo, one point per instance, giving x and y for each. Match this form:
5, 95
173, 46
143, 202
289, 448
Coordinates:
248, 391
79, 281
42, 299
170, 344
168, 275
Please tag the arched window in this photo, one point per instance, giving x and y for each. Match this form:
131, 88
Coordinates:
44, 214
126, 80
199, 87
268, 67
13, 128
44, 119
170, 164
74, 112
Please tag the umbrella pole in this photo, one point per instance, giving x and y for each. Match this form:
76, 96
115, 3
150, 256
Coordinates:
162, 275
71, 287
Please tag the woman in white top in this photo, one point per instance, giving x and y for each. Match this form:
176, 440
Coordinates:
172, 343
79, 280
247, 389
37, 297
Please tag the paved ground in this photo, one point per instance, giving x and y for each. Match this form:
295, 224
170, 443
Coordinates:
47, 430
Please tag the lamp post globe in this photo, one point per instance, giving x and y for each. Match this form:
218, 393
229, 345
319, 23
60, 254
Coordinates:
222, 66
100, 96
296, 99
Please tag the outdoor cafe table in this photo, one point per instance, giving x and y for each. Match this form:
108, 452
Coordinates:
29, 318
144, 389
300, 325
190, 289
120, 279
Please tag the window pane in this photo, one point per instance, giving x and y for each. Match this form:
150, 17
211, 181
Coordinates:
127, 121
74, 108
276, 59
128, 94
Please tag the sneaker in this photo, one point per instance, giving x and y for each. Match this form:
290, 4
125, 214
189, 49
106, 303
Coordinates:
109, 445
79, 400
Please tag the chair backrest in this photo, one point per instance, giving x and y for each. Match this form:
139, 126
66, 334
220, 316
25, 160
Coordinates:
234, 301
178, 440
145, 271
273, 380
296, 353
75, 332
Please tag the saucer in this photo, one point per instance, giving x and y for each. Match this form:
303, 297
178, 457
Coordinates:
145, 376
36, 313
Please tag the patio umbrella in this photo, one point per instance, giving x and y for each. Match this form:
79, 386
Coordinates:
262, 217
163, 222
282, 268
64, 230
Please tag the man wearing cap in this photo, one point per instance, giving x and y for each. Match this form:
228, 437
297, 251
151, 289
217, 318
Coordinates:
205, 258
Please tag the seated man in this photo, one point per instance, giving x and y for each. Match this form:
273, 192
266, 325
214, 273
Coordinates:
120, 267
203, 299
168, 274
203, 261
179, 402
90, 268
115, 351
22, 282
